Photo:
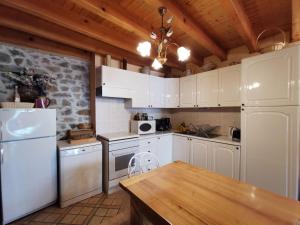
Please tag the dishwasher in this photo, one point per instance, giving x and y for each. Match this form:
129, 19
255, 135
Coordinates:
80, 171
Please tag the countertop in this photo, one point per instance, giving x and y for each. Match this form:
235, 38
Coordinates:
127, 135
181, 194
65, 145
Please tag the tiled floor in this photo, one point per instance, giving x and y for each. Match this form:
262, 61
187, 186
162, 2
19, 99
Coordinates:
113, 209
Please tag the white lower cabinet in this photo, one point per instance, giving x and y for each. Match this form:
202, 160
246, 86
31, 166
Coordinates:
220, 158
160, 146
199, 155
181, 148
226, 160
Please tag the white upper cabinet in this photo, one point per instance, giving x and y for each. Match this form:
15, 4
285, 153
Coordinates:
171, 92
270, 148
156, 92
226, 160
230, 86
207, 89
271, 79
139, 88
181, 148
188, 88
115, 82
199, 155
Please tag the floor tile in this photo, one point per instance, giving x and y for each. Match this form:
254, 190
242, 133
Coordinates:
79, 219
96, 220
68, 219
101, 212
112, 212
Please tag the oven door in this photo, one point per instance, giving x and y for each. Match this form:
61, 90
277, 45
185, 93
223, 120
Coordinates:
118, 162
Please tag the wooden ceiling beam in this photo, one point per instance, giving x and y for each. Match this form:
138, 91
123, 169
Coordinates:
33, 25
114, 13
187, 24
85, 26
295, 20
240, 21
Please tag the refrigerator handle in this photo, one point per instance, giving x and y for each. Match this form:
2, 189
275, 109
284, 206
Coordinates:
2, 153
1, 125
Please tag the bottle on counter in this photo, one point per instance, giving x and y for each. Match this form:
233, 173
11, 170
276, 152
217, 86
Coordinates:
17, 95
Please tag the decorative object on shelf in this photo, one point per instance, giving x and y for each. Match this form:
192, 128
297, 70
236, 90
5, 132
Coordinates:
208, 66
273, 46
17, 95
42, 102
31, 83
145, 70
84, 126
108, 60
124, 64
162, 41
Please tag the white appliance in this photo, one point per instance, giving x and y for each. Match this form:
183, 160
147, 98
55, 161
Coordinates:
143, 126
118, 149
80, 171
28, 161
270, 123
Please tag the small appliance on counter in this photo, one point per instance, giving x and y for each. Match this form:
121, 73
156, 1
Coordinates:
163, 124
142, 124
235, 133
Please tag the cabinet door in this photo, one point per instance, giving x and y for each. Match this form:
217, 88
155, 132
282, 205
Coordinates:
199, 155
271, 79
181, 148
226, 160
270, 148
171, 92
156, 92
230, 86
115, 82
188, 91
207, 89
164, 149
139, 90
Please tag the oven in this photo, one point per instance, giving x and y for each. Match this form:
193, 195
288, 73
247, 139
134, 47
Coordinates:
119, 156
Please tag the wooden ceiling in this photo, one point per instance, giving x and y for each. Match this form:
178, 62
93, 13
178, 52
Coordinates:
207, 27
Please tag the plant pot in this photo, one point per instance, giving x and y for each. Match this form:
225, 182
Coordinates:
28, 93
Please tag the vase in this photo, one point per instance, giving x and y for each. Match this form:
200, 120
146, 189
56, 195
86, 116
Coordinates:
28, 93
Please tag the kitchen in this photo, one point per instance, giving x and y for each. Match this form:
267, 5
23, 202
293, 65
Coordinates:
229, 116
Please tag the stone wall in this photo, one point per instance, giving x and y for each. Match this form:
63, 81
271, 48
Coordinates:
69, 93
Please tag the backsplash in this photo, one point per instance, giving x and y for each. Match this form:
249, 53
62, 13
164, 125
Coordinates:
113, 116
223, 117
69, 93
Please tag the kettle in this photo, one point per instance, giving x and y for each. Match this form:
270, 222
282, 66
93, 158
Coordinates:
235, 133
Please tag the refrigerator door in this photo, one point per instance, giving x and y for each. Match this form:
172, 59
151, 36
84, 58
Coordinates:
17, 124
28, 176
270, 148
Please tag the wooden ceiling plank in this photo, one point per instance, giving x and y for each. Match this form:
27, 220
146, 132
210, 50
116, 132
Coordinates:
187, 24
120, 17
33, 25
295, 20
240, 21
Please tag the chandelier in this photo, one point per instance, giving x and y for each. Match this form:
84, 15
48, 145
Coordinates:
162, 40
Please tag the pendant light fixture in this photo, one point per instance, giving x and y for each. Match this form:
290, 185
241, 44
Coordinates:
162, 40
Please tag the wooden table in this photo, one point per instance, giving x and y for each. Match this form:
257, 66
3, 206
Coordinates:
182, 194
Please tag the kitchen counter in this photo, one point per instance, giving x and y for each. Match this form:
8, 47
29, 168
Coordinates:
182, 194
65, 145
116, 136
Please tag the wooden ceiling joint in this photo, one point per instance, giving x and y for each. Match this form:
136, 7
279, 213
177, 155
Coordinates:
241, 22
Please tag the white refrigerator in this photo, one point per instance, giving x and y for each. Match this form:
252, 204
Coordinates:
28, 161
270, 121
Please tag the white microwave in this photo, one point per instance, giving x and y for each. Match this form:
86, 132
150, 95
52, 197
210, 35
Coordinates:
143, 126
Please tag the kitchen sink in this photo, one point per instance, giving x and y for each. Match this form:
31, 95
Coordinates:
193, 133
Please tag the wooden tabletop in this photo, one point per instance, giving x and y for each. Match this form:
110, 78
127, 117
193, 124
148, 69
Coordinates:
182, 194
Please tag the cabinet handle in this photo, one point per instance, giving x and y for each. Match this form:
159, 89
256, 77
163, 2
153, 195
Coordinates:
2, 154
243, 104
103, 83
219, 104
242, 109
148, 151
158, 138
178, 106
237, 148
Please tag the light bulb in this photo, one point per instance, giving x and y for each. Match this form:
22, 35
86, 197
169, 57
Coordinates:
183, 53
144, 48
156, 64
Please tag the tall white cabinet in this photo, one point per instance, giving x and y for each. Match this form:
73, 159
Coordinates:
270, 121
171, 92
188, 91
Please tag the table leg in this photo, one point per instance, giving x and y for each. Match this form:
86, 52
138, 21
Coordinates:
135, 217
